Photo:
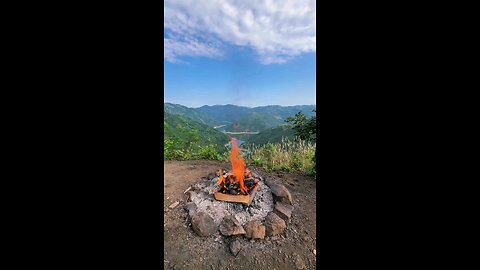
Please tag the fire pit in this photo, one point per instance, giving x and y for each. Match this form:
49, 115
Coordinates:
238, 185
243, 203
207, 198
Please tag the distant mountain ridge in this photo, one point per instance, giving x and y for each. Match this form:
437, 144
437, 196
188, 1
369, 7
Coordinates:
192, 113
221, 113
255, 119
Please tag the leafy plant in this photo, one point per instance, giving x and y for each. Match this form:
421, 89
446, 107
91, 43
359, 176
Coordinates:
305, 128
207, 152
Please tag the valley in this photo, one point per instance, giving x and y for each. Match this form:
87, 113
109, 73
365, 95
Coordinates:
257, 125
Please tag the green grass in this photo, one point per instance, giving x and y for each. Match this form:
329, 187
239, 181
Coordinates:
178, 151
287, 155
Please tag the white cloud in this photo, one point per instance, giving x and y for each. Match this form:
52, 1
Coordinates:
187, 46
276, 30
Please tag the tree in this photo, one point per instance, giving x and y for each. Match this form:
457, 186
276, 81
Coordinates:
305, 128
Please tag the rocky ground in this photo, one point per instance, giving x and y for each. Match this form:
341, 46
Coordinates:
184, 249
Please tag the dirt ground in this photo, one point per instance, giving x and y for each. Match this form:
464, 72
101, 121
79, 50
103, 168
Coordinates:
183, 249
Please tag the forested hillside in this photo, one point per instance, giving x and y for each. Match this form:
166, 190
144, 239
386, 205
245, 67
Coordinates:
191, 113
272, 135
253, 119
185, 133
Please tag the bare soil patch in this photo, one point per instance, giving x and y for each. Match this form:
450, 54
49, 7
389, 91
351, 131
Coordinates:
184, 249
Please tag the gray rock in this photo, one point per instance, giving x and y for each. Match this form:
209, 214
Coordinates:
274, 225
196, 187
203, 224
191, 195
283, 210
191, 207
235, 247
280, 192
269, 182
254, 230
231, 226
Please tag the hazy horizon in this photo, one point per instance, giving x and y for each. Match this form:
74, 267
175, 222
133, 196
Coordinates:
195, 107
198, 105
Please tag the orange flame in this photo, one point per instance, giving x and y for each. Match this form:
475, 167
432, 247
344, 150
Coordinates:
220, 179
238, 165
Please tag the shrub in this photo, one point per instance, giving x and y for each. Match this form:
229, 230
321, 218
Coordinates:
207, 152
173, 150
305, 128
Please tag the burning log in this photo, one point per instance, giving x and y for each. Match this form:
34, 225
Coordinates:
220, 178
229, 184
238, 182
229, 189
238, 198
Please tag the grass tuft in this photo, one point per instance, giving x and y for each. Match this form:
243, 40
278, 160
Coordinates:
288, 155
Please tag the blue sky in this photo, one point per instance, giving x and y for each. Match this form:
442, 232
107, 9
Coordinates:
247, 53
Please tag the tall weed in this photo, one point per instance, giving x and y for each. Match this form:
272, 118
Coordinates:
288, 155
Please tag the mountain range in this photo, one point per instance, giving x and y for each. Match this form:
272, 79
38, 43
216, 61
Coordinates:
255, 119
212, 121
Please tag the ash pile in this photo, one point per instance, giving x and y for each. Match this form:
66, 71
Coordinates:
202, 196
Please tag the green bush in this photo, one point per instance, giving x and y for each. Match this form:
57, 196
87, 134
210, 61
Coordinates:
258, 161
167, 149
173, 150
305, 128
207, 152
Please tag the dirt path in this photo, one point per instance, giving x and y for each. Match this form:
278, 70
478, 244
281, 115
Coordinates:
185, 250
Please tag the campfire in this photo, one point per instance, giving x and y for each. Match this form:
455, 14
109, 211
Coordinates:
237, 185
232, 210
